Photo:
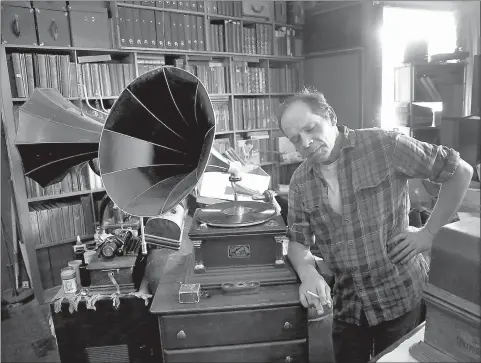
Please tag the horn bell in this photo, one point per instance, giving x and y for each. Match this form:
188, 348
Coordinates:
54, 136
156, 141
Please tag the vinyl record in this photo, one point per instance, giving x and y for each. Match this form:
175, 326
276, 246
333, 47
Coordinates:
236, 214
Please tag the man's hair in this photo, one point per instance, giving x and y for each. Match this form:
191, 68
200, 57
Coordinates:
312, 98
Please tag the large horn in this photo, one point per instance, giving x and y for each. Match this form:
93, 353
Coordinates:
156, 141
54, 136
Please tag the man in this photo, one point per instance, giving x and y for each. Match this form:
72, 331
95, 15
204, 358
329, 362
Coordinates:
350, 197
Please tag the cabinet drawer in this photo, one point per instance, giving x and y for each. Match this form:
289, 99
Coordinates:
233, 327
290, 352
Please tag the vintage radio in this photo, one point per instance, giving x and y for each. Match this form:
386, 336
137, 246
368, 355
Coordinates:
453, 296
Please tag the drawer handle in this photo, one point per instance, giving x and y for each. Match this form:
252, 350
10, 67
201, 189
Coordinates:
287, 325
181, 335
289, 359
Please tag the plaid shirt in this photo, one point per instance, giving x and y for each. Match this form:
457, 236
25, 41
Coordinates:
373, 170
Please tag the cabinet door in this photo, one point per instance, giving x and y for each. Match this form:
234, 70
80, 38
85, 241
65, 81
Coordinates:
18, 25
53, 28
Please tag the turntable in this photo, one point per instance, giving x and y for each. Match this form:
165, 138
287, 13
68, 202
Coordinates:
239, 242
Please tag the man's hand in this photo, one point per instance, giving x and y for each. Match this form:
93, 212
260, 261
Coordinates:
314, 284
409, 243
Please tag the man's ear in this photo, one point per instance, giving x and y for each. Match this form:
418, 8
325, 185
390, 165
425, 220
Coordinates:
332, 116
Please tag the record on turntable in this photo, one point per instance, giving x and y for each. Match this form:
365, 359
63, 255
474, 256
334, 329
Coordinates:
236, 214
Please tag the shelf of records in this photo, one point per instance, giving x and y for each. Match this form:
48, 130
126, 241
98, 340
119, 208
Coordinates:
60, 221
106, 75
176, 26
285, 12
77, 182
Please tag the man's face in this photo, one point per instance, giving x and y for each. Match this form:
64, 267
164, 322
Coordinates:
314, 136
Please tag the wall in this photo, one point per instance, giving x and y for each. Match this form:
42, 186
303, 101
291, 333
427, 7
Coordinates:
332, 29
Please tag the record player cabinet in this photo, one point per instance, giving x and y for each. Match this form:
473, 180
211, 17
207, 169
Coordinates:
270, 326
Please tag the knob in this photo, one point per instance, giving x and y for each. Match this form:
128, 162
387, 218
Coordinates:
289, 359
287, 325
181, 335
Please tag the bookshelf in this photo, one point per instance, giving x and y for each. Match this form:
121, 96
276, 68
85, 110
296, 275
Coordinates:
426, 93
246, 80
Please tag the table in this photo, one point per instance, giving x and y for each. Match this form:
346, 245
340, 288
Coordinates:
399, 351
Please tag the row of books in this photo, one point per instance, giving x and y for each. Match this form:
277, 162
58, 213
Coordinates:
213, 75
74, 181
248, 79
227, 8
144, 28
106, 79
145, 65
179, 5
288, 42
28, 71
230, 42
222, 115
57, 221
258, 39
252, 113
278, 80
293, 80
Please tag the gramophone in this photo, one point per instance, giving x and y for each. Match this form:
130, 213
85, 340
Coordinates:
154, 147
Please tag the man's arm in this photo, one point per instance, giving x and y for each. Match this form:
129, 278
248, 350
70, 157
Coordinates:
300, 235
301, 259
450, 197
300, 256
416, 159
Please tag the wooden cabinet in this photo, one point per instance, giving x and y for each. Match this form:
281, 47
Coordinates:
270, 326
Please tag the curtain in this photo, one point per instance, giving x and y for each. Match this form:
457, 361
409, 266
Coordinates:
468, 24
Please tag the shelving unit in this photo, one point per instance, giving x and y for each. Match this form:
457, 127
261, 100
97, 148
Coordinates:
425, 94
46, 260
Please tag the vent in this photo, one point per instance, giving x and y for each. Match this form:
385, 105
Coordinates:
108, 353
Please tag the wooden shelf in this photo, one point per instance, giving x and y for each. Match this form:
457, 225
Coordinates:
159, 51
63, 195
65, 241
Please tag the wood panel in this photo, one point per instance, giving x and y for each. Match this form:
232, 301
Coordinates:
339, 77
335, 29
344, 26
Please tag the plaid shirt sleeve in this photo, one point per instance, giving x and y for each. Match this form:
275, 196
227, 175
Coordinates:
422, 160
297, 219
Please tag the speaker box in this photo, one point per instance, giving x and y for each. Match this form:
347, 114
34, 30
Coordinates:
127, 334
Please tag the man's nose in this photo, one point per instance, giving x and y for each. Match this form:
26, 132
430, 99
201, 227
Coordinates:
305, 141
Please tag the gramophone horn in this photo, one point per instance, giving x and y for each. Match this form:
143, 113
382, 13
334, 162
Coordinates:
54, 136
156, 141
